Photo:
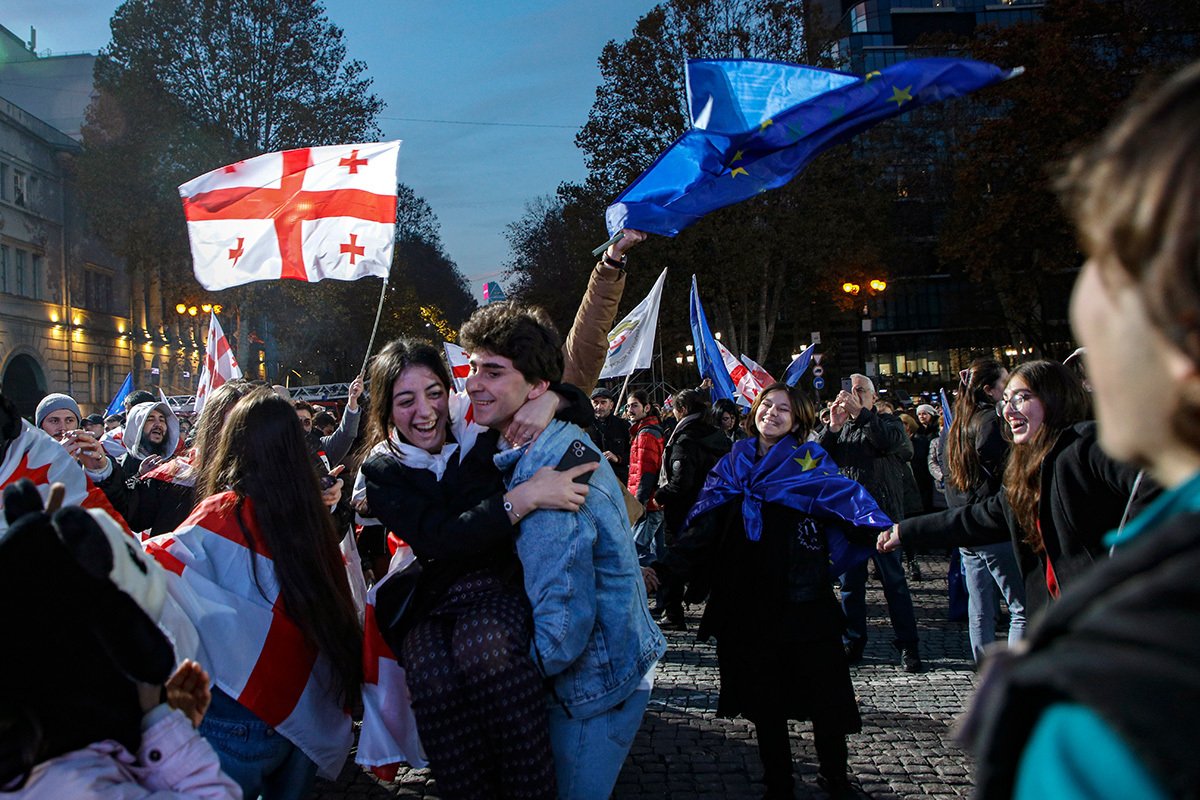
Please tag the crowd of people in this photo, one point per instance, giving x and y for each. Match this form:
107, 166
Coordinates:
189, 593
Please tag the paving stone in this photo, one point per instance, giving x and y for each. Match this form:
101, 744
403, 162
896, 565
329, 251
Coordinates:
684, 750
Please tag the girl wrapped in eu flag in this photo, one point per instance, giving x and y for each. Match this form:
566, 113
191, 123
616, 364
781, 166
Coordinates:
772, 526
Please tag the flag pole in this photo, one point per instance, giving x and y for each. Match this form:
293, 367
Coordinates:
624, 386
378, 314
616, 237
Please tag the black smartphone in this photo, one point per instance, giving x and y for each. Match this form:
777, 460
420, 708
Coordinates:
327, 482
847, 385
578, 453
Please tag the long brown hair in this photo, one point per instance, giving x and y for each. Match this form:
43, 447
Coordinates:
262, 456
210, 424
1064, 402
962, 459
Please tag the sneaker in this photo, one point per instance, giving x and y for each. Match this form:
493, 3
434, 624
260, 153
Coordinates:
910, 659
854, 650
672, 623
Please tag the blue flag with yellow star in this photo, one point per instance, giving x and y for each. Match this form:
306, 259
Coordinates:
757, 124
797, 475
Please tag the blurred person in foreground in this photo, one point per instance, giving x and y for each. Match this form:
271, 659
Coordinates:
1102, 700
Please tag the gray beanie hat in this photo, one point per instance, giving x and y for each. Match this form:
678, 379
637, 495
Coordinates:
928, 409
55, 402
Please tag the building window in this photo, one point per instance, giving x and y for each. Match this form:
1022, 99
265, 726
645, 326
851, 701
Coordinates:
20, 272
3, 181
97, 290
3, 268
35, 262
20, 188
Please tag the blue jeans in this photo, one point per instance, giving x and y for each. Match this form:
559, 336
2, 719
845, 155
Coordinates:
588, 753
650, 537
261, 761
988, 568
895, 589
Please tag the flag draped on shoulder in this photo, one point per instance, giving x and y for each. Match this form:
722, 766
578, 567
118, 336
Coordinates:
220, 366
708, 357
631, 342
306, 214
460, 365
227, 588
36, 456
801, 476
757, 124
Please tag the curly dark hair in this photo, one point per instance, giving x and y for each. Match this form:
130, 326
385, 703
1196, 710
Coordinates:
523, 334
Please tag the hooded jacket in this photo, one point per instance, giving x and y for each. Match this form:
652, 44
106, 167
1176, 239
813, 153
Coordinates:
137, 449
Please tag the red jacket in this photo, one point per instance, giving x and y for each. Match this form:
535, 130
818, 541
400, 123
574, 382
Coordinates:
645, 460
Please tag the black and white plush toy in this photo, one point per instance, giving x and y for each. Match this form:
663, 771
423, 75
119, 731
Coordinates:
78, 603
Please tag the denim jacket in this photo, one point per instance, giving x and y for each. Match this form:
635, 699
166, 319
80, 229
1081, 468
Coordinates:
593, 634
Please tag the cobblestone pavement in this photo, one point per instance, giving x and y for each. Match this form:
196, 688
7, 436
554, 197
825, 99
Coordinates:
685, 751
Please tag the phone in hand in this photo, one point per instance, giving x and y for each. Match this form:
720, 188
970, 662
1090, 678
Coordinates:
327, 482
847, 385
578, 453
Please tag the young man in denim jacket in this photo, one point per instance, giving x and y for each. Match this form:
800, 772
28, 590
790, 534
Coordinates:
593, 634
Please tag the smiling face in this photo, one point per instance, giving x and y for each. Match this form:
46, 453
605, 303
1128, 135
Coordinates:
421, 408
774, 417
1022, 410
59, 422
497, 389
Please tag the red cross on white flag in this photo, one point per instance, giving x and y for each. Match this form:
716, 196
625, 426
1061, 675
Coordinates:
307, 214
220, 366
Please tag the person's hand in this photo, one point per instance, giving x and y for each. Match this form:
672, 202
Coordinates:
650, 578
531, 419
837, 416
83, 446
149, 463
356, 389
706, 383
549, 488
187, 690
611, 456
332, 496
851, 402
888, 540
617, 250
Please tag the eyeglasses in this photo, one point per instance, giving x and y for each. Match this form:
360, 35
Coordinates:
1017, 402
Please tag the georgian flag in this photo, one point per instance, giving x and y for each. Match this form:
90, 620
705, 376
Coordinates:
743, 379
220, 366
460, 365
34, 455
306, 214
760, 374
388, 737
253, 651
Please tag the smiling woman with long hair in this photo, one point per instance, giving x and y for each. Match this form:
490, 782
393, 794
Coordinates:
263, 582
1061, 493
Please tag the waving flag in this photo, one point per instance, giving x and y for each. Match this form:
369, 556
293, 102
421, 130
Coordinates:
799, 366
247, 642
220, 366
34, 455
307, 214
947, 415
760, 374
743, 379
493, 293
631, 342
708, 357
757, 124
460, 365
117, 404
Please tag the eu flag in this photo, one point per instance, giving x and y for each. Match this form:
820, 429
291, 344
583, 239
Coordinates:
708, 357
757, 124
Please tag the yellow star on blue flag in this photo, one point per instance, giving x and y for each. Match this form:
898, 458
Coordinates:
807, 462
901, 96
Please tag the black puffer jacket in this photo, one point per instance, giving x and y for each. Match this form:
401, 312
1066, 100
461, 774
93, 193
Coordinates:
1083, 496
873, 450
693, 449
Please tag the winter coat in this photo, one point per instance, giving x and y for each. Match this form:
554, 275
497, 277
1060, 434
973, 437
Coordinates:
1084, 494
645, 460
985, 432
692, 450
612, 433
874, 450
